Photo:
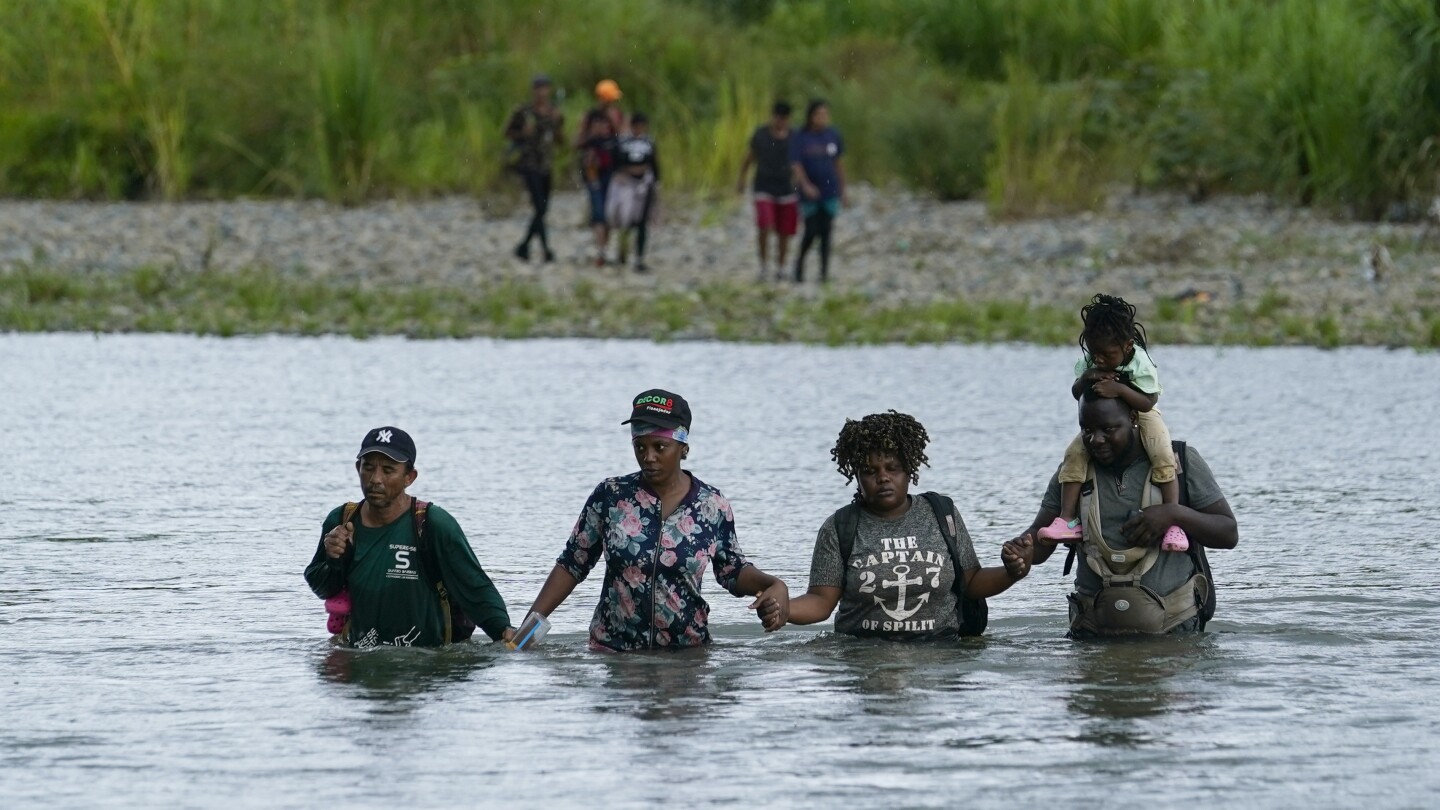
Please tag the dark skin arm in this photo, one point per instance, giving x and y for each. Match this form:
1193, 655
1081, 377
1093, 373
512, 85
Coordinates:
745, 170
1016, 555
815, 606
1212, 527
1108, 384
980, 583
1137, 401
802, 181
772, 597
558, 586
1088, 376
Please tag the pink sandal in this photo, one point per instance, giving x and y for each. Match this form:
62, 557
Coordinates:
1175, 540
338, 606
1061, 532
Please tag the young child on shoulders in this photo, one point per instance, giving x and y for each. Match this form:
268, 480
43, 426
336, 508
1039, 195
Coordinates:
1117, 363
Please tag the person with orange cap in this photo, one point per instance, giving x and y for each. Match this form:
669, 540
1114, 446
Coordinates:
607, 98
597, 141
607, 103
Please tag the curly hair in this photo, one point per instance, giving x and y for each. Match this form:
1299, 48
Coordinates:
892, 433
1110, 320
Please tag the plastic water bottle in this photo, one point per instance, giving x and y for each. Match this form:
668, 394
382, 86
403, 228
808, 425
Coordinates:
531, 631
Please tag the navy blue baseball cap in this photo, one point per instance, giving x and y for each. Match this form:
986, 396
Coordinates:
389, 441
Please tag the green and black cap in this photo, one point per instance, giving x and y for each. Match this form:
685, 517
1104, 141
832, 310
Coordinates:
658, 407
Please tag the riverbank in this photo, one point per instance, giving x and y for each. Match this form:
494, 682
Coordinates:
907, 269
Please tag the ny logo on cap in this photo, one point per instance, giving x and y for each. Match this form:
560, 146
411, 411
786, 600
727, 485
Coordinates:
383, 436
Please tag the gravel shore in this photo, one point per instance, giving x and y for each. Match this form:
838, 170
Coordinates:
890, 246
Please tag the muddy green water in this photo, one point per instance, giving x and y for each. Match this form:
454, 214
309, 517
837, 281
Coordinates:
158, 647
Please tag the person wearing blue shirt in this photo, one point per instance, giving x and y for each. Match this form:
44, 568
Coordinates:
815, 158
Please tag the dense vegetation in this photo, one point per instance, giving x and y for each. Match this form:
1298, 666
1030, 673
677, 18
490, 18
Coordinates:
1031, 104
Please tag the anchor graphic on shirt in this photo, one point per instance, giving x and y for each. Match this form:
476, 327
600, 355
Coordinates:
900, 614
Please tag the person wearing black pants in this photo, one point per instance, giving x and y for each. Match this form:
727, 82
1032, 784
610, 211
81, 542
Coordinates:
819, 219
534, 130
815, 158
537, 185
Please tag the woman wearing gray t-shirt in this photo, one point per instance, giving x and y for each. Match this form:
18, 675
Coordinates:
885, 560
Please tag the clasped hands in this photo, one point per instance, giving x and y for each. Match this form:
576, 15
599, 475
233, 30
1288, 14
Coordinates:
772, 606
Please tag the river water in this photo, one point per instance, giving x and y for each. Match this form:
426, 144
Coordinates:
162, 494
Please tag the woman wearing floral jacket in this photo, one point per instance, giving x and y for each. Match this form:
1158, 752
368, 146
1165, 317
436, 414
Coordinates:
657, 529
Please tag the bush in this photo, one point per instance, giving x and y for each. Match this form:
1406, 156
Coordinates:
1336, 104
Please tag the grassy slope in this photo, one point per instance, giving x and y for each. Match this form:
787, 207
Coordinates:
267, 301
1029, 103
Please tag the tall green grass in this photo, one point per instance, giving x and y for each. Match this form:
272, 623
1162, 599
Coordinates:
1034, 105
1040, 163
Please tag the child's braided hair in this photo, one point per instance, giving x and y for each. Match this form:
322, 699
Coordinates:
1110, 320
892, 432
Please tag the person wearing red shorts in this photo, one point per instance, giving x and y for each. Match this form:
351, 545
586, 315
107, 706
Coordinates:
777, 202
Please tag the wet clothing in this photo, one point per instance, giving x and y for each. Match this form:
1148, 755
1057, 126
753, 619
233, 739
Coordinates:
773, 176
393, 598
816, 152
653, 568
898, 581
536, 151
1118, 496
1123, 605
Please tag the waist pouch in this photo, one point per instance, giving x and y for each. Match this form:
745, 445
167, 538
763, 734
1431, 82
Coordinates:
1132, 608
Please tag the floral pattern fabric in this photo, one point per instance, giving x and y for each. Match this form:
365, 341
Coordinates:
653, 567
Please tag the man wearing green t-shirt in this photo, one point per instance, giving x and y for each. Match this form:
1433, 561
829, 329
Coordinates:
383, 562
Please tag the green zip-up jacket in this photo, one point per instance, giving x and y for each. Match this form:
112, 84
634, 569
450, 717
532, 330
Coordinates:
393, 600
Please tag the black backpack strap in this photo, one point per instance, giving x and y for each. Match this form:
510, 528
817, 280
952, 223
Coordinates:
847, 529
1196, 551
1086, 488
944, 508
1180, 452
974, 614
